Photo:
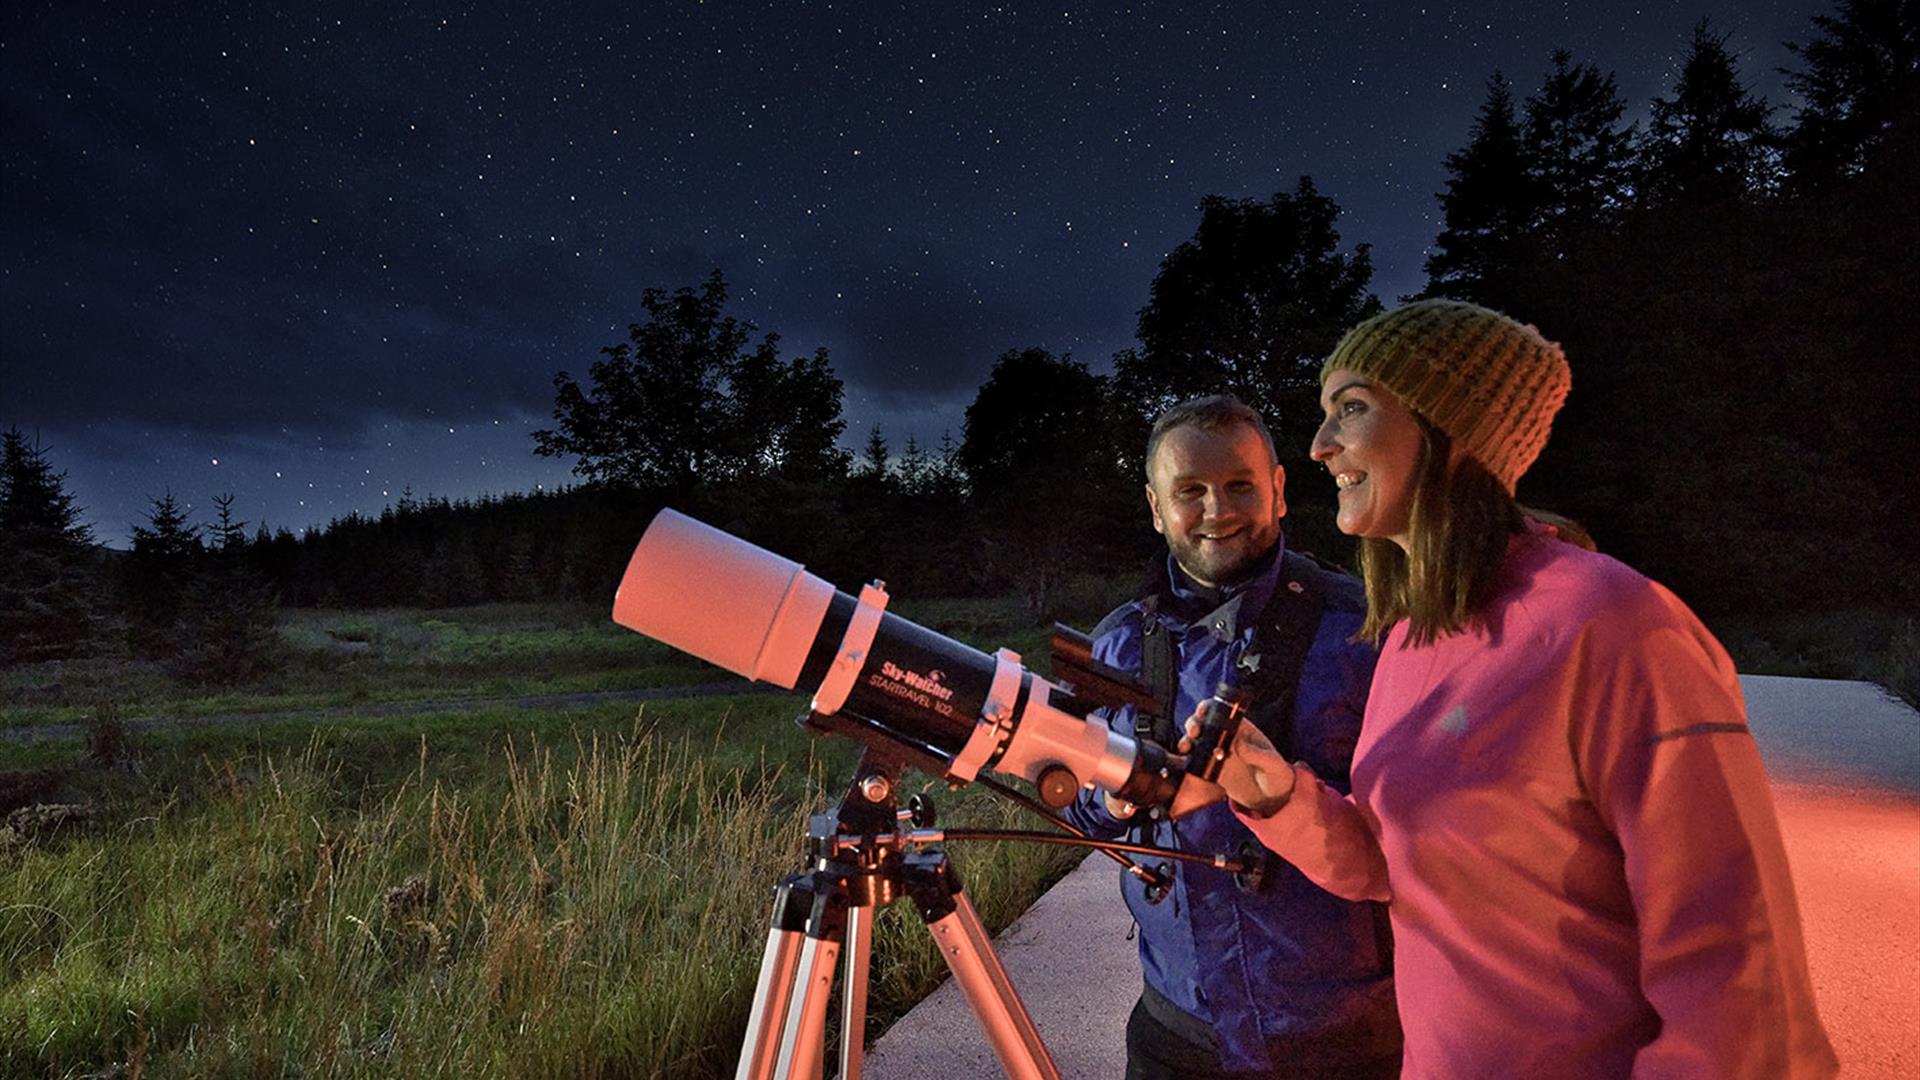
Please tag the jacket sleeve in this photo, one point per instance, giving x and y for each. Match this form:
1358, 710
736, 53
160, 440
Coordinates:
1665, 752
1327, 836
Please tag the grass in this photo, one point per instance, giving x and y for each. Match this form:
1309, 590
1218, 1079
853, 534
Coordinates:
333, 659
488, 891
590, 903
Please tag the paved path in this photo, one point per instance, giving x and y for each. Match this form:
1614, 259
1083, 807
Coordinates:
1845, 761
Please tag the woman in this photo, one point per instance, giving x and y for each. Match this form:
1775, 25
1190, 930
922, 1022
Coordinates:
1554, 787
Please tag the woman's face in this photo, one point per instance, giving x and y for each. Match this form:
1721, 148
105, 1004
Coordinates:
1371, 444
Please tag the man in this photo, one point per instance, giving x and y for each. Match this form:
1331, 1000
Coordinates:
1273, 977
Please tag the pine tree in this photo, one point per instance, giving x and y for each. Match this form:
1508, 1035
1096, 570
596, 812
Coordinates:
946, 480
34, 502
914, 468
1578, 154
874, 456
1711, 141
1488, 207
1861, 79
52, 602
159, 574
228, 535
227, 628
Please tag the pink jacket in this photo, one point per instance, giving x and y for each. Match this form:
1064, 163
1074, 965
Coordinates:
1572, 824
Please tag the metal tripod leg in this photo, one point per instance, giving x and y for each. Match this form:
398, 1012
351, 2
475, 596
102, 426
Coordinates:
804, 1042
968, 951
779, 968
853, 998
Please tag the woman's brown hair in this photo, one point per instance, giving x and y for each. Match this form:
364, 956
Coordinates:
1457, 533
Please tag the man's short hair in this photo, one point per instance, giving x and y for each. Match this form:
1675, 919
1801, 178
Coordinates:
1214, 413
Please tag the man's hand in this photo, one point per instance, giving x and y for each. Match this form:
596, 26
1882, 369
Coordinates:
1256, 778
1119, 808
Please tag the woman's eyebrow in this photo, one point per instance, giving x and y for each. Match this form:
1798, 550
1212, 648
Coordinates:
1335, 396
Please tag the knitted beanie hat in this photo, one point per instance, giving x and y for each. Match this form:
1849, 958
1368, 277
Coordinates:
1490, 383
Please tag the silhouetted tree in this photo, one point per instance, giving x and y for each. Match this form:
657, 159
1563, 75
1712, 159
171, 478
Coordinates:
874, 456
227, 632
34, 500
161, 569
684, 401
651, 417
785, 415
1250, 305
1861, 78
1711, 141
914, 466
1489, 206
52, 602
1040, 459
228, 534
1577, 152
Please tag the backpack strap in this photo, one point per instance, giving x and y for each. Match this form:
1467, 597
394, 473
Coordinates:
1272, 664
1159, 669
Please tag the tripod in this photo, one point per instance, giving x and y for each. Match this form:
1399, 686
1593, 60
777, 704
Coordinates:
826, 914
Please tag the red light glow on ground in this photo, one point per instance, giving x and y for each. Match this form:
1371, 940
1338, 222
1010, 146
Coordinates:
1855, 854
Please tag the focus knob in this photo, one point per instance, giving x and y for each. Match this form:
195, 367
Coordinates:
1057, 786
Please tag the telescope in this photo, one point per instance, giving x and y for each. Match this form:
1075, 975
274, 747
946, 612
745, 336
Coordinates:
912, 696
948, 708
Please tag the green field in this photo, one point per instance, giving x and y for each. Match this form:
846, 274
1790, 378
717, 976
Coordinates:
489, 890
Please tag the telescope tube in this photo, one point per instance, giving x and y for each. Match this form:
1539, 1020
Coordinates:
726, 601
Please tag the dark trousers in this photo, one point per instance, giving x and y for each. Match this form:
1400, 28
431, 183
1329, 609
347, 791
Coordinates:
1157, 1051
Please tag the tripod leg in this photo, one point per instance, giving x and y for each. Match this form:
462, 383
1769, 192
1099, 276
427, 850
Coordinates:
802, 1054
968, 951
779, 966
853, 997
805, 1040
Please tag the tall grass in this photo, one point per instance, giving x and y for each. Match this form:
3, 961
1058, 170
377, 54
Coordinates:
592, 908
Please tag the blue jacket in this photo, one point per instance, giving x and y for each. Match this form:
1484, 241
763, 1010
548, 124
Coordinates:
1293, 959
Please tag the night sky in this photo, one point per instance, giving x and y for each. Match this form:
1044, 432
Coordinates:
315, 255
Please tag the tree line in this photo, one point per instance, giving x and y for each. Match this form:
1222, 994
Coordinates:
1731, 291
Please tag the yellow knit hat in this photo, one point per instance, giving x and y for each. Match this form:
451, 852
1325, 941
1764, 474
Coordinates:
1489, 382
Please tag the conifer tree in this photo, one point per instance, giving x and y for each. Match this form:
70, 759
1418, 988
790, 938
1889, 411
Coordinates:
1489, 204
229, 535
1711, 141
1861, 78
34, 501
226, 628
159, 574
875, 455
914, 468
52, 603
1577, 152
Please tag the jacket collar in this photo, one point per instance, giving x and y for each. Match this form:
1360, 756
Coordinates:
1226, 611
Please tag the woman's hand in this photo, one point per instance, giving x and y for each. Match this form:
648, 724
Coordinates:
1256, 778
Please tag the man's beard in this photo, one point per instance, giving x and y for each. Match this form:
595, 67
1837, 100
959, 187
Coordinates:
1226, 564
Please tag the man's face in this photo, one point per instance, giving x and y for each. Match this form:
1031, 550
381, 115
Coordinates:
1217, 498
